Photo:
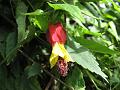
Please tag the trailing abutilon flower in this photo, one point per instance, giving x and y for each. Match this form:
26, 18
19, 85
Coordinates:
56, 36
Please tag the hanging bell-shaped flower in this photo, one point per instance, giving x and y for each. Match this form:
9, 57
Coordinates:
56, 36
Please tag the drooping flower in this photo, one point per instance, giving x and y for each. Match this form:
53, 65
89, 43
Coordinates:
56, 36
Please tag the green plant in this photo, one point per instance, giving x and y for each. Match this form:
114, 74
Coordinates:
92, 29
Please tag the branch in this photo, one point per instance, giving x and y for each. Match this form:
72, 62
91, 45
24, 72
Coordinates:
46, 71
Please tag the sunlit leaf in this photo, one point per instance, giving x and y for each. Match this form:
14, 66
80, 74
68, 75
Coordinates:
86, 12
117, 7
94, 46
113, 30
74, 11
36, 12
84, 58
39, 18
92, 9
80, 31
40, 21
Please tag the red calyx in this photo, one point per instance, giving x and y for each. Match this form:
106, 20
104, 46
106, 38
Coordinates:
56, 33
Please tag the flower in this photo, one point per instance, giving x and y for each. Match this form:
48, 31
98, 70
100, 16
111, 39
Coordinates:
56, 36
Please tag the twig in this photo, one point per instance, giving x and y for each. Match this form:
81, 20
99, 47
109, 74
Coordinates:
41, 40
24, 54
30, 4
8, 20
49, 84
30, 59
12, 8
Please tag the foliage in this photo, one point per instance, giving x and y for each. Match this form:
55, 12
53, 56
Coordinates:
93, 42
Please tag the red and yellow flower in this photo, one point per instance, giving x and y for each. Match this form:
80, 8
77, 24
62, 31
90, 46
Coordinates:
57, 37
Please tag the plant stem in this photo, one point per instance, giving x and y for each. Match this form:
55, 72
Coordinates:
46, 71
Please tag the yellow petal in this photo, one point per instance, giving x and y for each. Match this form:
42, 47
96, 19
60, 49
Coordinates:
66, 57
56, 52
53, 59
59, 50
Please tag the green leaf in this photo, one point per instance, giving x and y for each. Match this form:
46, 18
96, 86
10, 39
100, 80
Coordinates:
8, 46
92, 9
36, 12
90, 0
84, 58
113, 30
40, 21
31, 33
33, 70
11, 42
74, 11
94, 46
86, 12
3, 35
11, 46
81, 31
22, 83
20, 19
16, 79
39, 18
75, 79
116, 7
28, 84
